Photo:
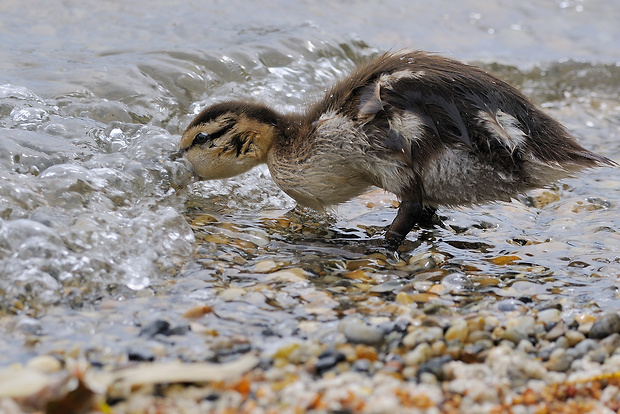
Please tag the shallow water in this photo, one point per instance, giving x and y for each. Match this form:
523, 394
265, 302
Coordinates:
103, 232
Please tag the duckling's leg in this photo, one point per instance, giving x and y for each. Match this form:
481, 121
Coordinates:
409, 213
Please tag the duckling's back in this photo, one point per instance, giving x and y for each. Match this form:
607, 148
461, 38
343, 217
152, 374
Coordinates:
438, 131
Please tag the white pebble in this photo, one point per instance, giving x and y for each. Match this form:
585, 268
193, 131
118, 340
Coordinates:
45, 363
419, 355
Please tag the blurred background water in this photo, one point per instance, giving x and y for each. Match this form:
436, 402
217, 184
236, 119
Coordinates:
95, 234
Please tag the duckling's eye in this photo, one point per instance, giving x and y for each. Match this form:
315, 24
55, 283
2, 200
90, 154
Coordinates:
200, 138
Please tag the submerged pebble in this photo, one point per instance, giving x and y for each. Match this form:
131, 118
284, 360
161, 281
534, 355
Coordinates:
608, 324
161, 327
549, 316
45, 363
458, 330
421, 334
328, 360
359, 332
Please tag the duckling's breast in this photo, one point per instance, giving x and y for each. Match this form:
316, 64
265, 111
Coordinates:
335, 163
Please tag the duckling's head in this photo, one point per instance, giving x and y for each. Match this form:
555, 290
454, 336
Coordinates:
229, 138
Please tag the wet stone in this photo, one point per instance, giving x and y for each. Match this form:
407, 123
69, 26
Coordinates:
514, 335
161, 327
30, 326
549, 317
458, 330
525, 346
45, 363
328, 360
611, 343
156, 327
388, 286
509, 305
434, 366
598, 355
393, 364
584, 347
473, 353
480, 335
418, 355
519, 329
362, 365
557, 331
559, 361
361, 333
574, 337
213, 396
608, 324
585, 322
140, 354
421, 334
562, 342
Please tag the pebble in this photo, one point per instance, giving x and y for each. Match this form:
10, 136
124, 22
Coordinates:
434, 366
359, 332
472, 353
526, 346
518, 329
423, 261
584, 347
232, 294
598, 355
562, 342
418, 355
525, 323
265, 266
198, 312
585, 321
366, 352
421, 334
29, 325
559, 360
574, 337
558, 330
514, 335
388, 286
611, 343
458, 330
362, 365
18, 383
156, 327
294, 275
328, 360
439, 348
163, 328
509, 305
479, 335
403, 298
608, 324
549, 316
45, 363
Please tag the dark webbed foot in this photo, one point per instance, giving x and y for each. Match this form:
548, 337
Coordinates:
409, 214
428, 218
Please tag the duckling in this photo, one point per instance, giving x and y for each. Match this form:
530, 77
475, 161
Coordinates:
431, 130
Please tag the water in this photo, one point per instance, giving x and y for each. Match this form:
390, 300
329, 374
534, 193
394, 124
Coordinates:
103, 231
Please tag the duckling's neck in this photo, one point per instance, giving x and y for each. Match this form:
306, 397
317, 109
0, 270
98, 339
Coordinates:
318, 161
294, 129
